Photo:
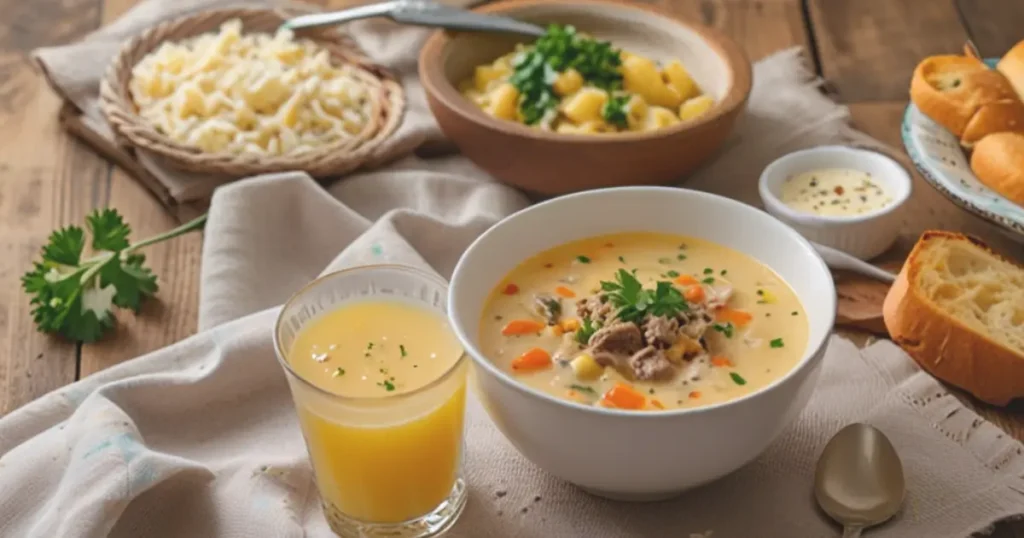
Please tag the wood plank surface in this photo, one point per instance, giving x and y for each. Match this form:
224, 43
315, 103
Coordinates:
868, 48
761, 27
47, 180
993, 25
171, 315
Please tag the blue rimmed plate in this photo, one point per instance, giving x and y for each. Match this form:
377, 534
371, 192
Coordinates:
937, 154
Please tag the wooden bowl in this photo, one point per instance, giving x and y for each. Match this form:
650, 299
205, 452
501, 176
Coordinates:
553, 163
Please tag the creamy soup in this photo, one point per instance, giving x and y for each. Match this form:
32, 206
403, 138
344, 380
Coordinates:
644, 321
834, 192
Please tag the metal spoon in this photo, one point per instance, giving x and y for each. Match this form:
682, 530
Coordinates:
859, 479
837, 259
421, 13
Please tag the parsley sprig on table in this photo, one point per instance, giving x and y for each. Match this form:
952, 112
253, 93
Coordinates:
561, 48
633, 301
75, 297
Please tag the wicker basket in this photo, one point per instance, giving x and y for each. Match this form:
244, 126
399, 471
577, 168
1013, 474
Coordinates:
337, 158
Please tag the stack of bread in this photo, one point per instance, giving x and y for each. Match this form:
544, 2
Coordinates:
984, 108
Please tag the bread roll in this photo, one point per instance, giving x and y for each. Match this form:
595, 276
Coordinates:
1001, 117
963, 95
1012, 67
956, 309
998, 161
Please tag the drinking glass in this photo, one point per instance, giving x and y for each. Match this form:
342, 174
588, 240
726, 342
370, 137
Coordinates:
390, 465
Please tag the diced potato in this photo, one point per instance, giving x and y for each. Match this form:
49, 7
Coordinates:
567, 128
593, 127
570, 324
586, 368
485, 75
585, 105
641, 76
684, 347
503, 102
680, 80
659, 117
636, 112
568, 82
695, 107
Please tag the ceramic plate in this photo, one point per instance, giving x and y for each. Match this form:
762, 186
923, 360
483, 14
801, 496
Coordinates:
937, 154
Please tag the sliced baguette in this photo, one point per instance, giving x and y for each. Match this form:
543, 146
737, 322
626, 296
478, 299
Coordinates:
957, 308
1012, 67
998, 162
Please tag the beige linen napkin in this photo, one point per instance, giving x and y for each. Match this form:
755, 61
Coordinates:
199, 439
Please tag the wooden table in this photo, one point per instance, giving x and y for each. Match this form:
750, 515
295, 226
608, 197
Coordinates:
864, 49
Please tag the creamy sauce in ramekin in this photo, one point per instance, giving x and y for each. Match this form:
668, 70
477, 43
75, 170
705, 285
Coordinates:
834, 192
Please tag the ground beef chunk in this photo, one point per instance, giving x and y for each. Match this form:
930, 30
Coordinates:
660, 331
695, 323
594, 308
650, 364
619, 338
549, 307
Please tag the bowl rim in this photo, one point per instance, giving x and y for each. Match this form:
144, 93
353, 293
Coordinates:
737, 65
816, 349
899, 176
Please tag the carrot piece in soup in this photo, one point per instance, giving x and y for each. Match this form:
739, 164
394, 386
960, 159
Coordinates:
657, 405
738, 318
721, 362
624, 396
686, 280
522, 326
534, 359
565, 292
510, 289
695, 394
694, 294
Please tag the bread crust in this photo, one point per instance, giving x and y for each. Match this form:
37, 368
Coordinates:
998, 162
949, 111
1001, 117
1012, 67
942, 345
963, 95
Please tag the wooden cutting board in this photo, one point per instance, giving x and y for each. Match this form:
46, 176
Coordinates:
860, 302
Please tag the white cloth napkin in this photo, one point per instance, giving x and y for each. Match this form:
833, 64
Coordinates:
199, 439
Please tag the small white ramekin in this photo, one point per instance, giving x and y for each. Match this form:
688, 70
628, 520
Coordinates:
864, 236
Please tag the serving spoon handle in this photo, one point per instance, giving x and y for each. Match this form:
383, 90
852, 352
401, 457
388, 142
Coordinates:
420, 13
837, 259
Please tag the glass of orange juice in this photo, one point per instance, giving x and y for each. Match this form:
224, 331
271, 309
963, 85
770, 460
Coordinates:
379, 383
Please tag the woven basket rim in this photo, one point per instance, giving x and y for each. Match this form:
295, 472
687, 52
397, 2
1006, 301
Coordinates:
130, 129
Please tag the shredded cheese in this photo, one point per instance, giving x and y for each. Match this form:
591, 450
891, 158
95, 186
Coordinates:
252, 93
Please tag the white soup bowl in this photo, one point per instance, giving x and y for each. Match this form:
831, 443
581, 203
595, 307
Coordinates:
641, 455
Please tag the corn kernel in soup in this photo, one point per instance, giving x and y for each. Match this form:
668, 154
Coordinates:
644, 321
